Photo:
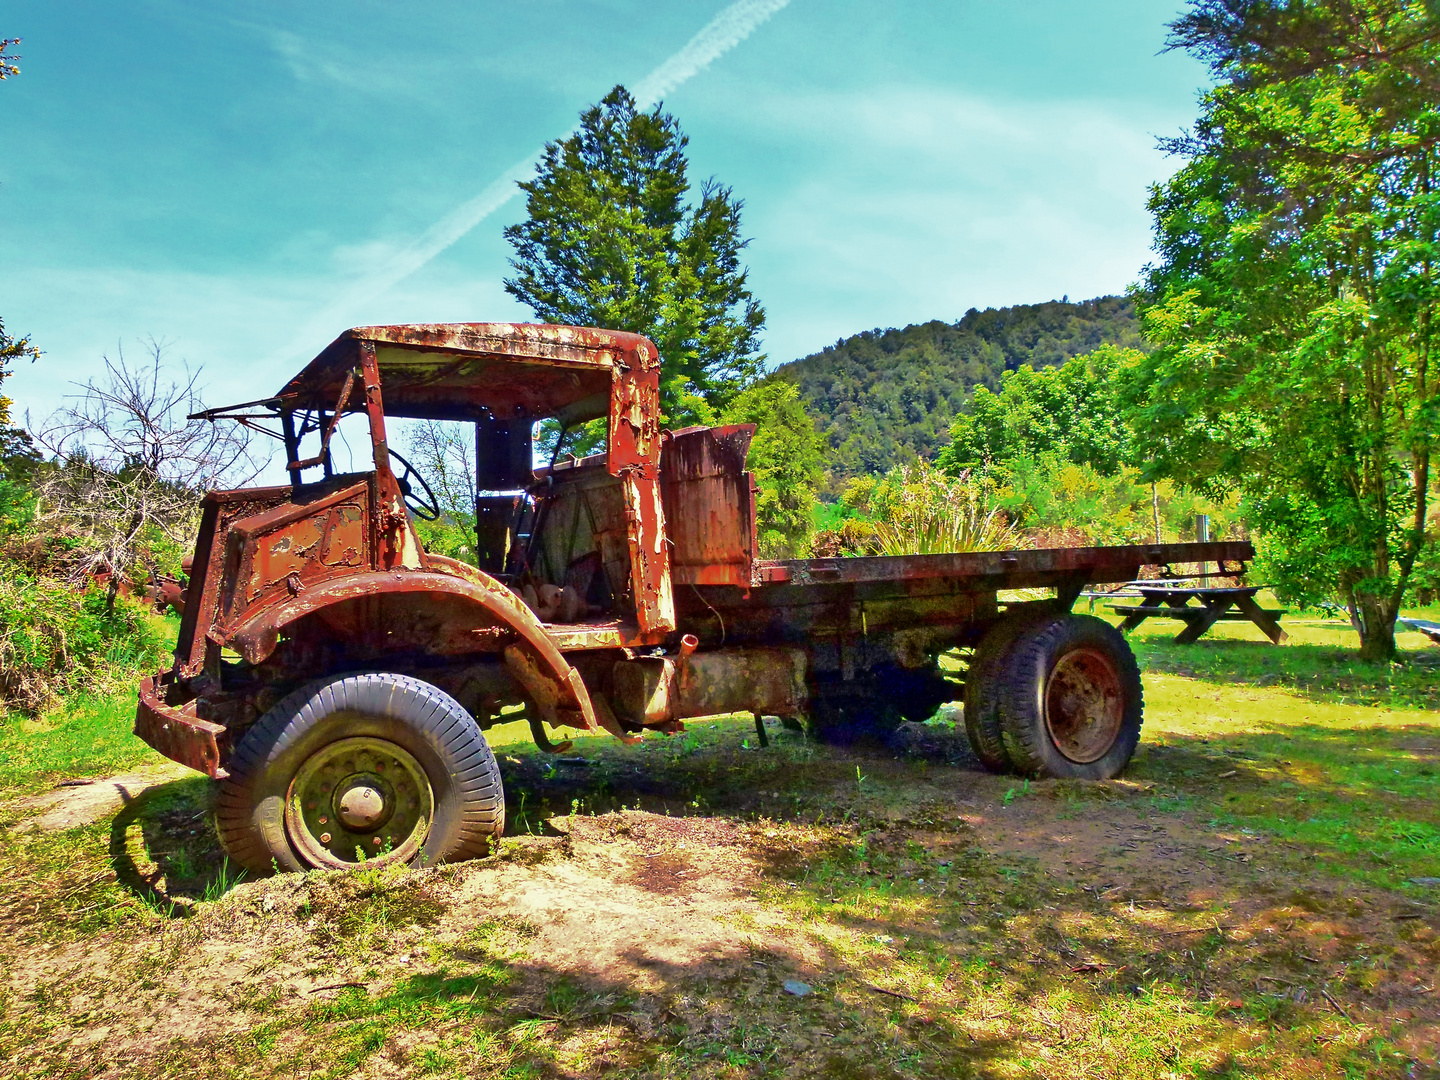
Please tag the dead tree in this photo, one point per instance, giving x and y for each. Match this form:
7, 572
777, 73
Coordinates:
126, 460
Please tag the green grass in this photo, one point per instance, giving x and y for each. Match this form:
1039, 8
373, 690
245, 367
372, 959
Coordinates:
80, 737
1319, 662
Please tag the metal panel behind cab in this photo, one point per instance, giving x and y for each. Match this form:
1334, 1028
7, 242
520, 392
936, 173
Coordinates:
709, 502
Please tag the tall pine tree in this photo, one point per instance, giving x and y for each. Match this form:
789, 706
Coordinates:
612, 240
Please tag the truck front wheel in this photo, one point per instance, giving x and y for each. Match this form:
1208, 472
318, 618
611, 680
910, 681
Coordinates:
1070, 699
371, 768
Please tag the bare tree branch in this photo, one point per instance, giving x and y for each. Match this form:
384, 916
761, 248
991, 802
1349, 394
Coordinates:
445, 452
126, 461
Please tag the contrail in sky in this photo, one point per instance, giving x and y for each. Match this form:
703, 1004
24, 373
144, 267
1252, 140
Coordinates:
719, 36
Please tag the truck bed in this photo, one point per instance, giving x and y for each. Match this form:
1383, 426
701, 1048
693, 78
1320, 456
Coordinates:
1013, 569
956, 596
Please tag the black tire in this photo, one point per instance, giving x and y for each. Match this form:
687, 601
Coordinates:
871, 706
422, 725
982, 694
1071, 704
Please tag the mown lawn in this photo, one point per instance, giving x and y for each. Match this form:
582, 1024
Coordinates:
1256, 897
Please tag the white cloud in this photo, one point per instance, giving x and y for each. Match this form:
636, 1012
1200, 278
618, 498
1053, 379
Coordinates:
910, 203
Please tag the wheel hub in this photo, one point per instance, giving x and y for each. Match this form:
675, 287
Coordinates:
359, 799
363, 806
1084, 705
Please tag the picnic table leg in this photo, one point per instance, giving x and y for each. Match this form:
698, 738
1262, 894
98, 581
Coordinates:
1261, 619
1204, 618
1131, 621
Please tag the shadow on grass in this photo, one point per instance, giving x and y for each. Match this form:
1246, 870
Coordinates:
1007, 968
932, 955
1319, 672
176, 860
718, 768
1366, 797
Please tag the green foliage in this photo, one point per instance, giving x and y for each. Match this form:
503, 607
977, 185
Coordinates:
885, 397
1294, 297
610, 241
1069, 412
786, 458
452, 537
17, 453
444, 453
1425, 578
1054, 445
1062, 503
17, 506
918, 510
56, 641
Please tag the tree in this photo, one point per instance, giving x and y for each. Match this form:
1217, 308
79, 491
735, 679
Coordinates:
1070, 412
444, 452
786, 457
128, 466
1293, 300
884, 398
7, 58
17, 452
611, 241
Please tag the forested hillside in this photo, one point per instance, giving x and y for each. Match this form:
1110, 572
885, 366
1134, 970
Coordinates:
886, 396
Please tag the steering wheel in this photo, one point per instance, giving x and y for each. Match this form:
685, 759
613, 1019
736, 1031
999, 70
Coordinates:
427, 510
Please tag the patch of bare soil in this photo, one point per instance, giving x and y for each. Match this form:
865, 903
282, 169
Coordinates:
634, 894
1177, 880
626, 900
83, 802
635, 930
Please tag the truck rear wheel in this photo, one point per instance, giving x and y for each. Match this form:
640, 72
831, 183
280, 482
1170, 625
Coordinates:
983, 690
1070, 699
363, 768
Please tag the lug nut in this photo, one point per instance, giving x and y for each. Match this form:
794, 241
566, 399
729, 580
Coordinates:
324, 837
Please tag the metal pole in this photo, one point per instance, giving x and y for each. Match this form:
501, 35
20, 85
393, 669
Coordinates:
1202, 534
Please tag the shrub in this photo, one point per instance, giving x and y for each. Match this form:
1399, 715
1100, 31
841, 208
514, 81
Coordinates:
56, 641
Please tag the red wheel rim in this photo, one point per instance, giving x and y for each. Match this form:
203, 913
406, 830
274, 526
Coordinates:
1084, 705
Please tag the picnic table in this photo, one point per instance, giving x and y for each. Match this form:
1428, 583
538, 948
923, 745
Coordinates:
1430, 629
1172, 600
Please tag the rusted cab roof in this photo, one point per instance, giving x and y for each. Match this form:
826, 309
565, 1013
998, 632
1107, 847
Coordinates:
457, 371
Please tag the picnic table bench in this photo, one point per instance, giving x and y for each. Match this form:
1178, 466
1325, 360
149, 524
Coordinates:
1172, 600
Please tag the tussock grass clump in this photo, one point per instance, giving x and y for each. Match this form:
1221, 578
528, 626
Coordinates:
918, 510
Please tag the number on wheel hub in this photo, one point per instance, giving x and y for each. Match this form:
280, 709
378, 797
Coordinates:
358, 798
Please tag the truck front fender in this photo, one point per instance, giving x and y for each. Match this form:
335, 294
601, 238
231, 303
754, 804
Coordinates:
486, 608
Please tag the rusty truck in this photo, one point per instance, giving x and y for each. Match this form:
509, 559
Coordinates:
336, 678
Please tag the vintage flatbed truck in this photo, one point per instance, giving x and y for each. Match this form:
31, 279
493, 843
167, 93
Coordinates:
336, 678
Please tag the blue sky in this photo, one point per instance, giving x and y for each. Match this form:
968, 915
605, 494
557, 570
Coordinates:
235, 179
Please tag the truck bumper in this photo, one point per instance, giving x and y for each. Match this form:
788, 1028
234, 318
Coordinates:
176, 731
